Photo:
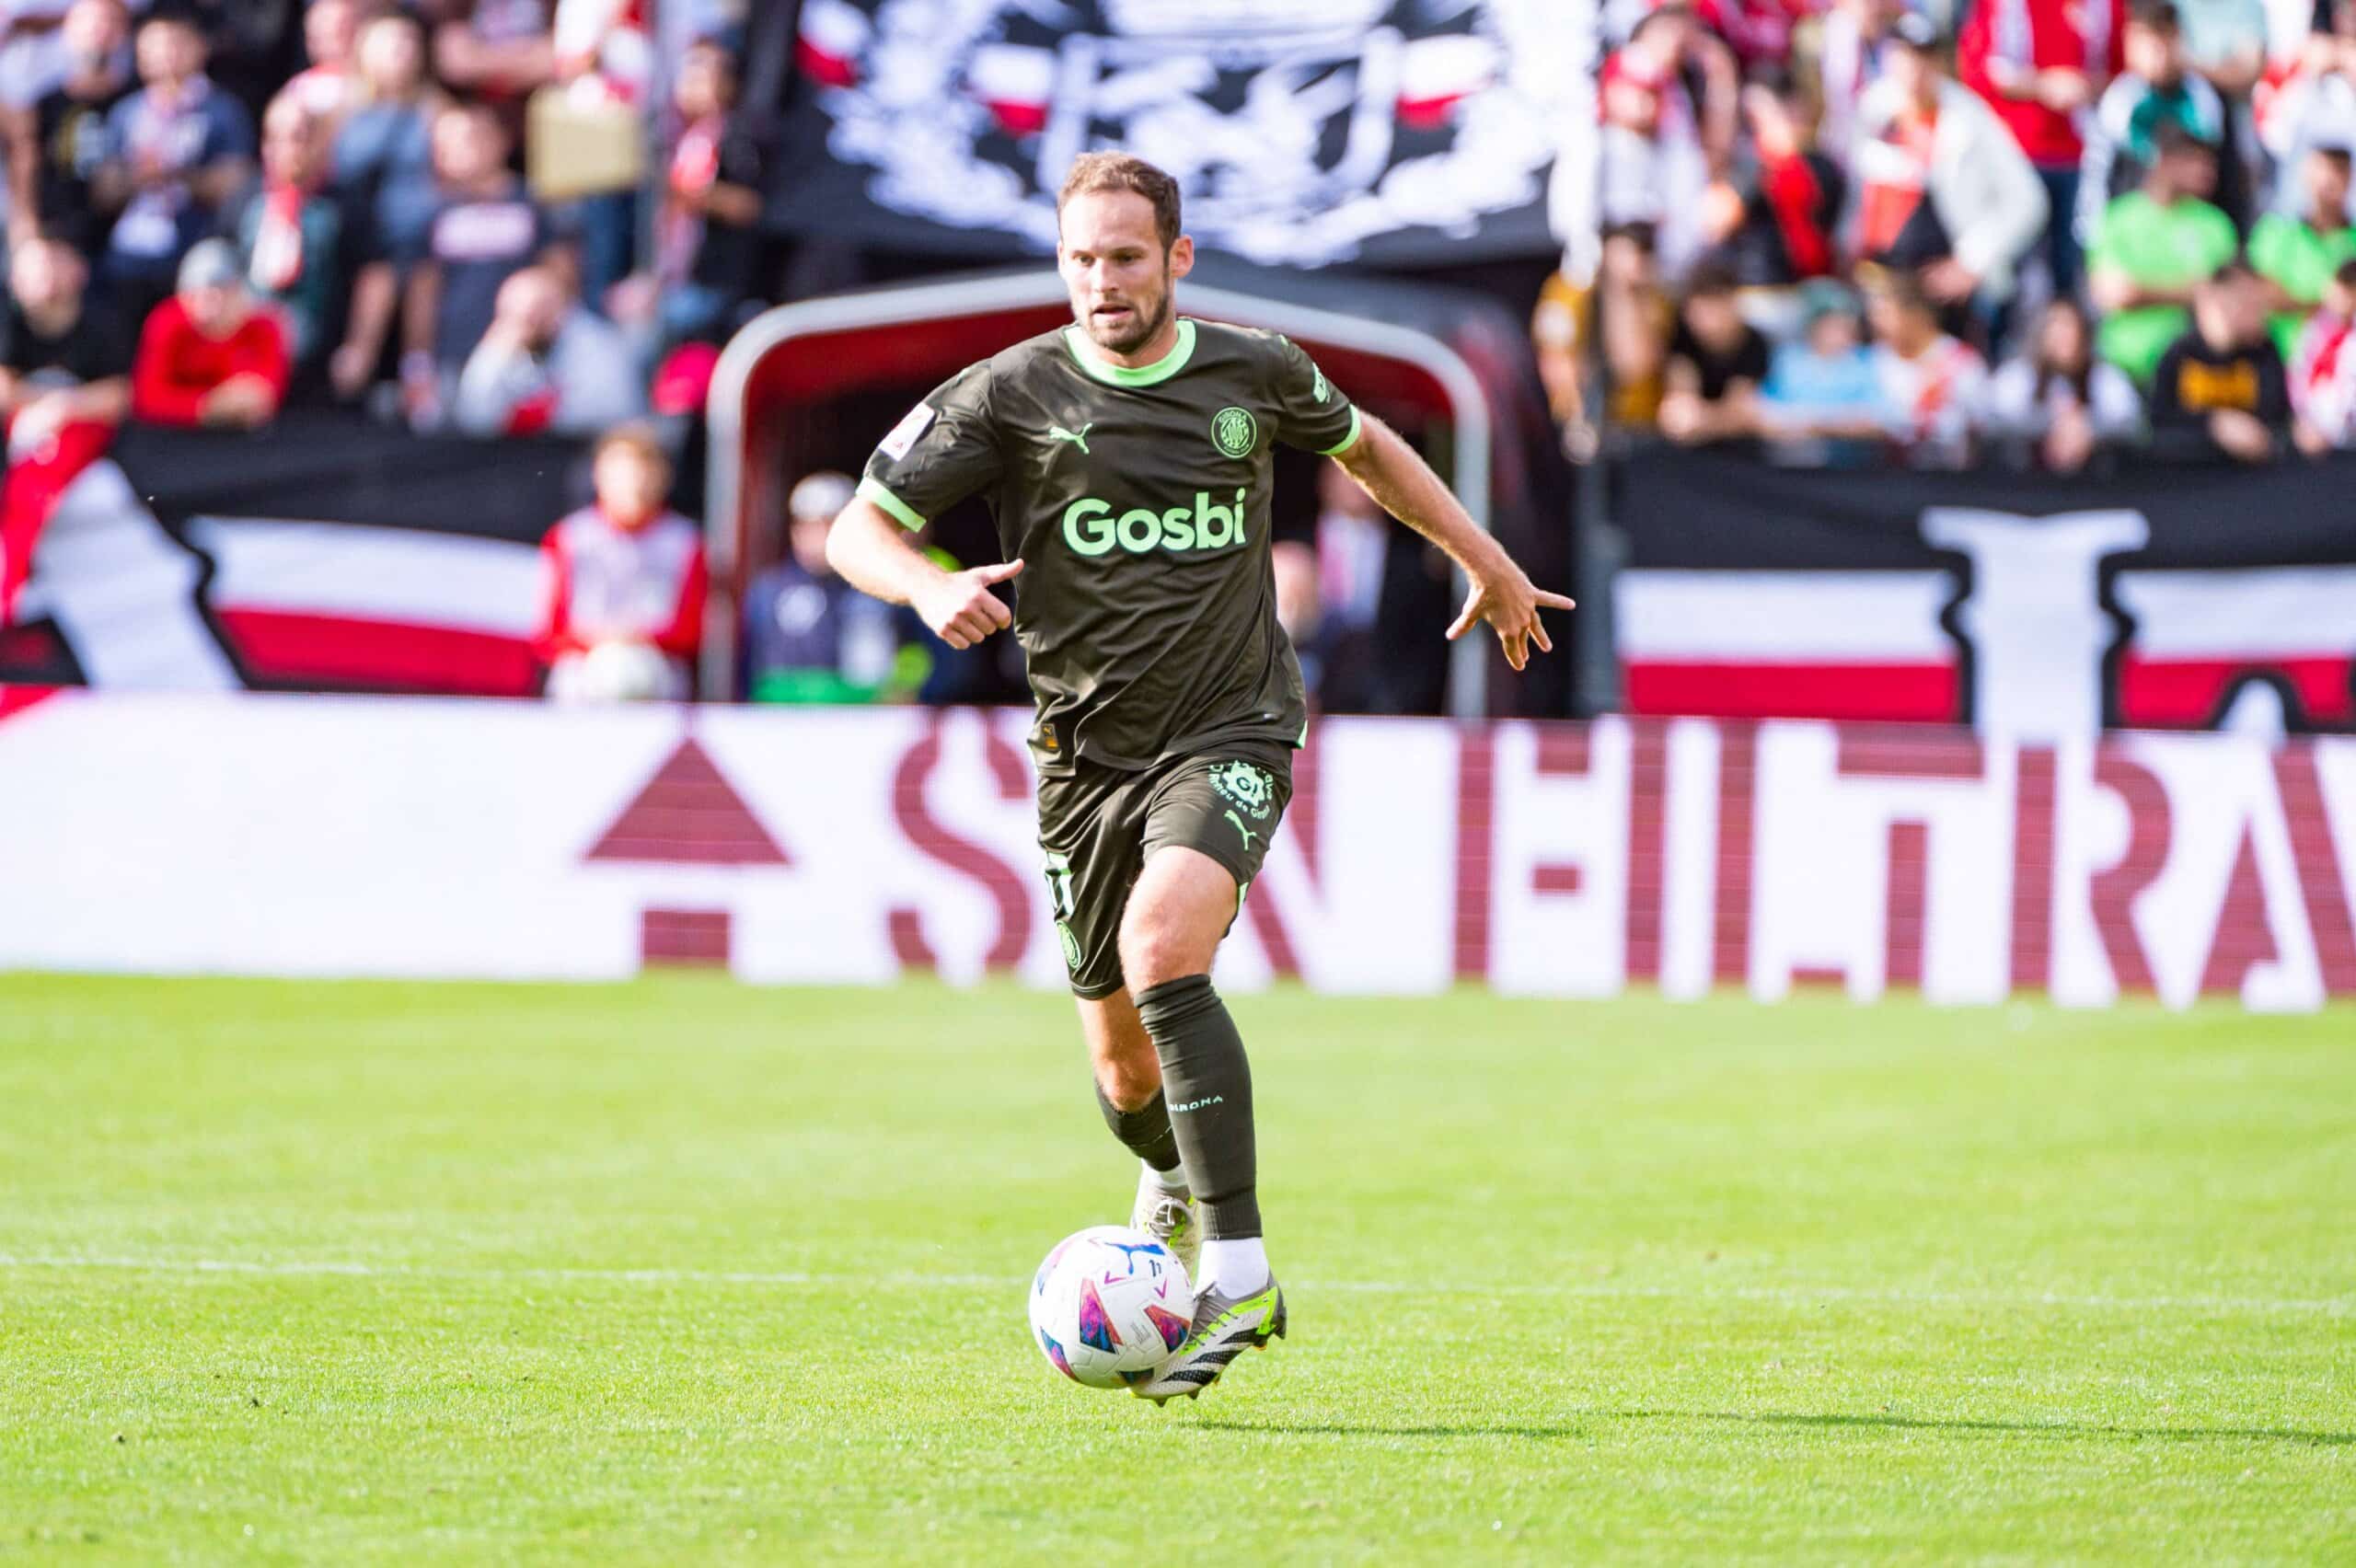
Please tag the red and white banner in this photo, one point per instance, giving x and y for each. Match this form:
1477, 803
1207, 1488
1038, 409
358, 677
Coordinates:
359, 837
323, 554
2022, 605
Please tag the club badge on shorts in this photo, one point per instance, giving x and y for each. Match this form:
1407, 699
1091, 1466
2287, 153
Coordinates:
1245, 786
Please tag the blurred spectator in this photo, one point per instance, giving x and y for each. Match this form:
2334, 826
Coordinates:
330, 87
1822, 402
2298, 255
1786, 229
604, 81
485, 231
1632, 317
1344, 594
57, 145
2055, 406
1758, 31
1930, 381
1946, 192
1657, 150
1351, 552
2157, 89
707, 244
64, 353
811, 637
2323, 369
290, 233
60, 350
1292, 568
384, 168
2221, 390
1849, 53
65, 387
384, 151
499, 49
2040, 64
2288, 25
623, 614
32, 56
180, 151
2226, 41
2316, 107
246, 42
1716, 361
211, 354
546, 363
604, 45
2151, 249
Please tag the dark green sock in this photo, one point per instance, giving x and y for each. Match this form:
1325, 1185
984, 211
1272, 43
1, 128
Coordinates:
1145, 1131
1208, 1083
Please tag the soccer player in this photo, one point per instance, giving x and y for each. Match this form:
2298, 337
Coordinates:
1126, 460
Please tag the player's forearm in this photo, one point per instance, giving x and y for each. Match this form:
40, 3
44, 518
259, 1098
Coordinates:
1387, 469
873, 554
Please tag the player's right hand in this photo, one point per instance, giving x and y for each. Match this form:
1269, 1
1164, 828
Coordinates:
959, 607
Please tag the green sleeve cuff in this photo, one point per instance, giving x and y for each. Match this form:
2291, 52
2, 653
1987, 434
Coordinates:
1347, 441
870, 489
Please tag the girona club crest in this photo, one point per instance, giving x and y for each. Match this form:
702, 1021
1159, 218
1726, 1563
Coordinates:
1245, 786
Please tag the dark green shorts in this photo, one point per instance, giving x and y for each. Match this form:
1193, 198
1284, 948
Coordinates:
1099, 824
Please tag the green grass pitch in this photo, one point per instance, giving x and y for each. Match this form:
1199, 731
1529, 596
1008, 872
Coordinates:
686, 1272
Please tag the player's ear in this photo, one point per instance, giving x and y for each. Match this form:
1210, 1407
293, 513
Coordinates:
1181, 255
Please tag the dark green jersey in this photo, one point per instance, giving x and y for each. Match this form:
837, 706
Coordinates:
1137, 501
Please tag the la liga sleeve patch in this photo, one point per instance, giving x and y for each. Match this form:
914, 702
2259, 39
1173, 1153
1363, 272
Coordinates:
913, 424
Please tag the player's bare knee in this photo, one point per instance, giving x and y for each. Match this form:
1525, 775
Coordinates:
1156, 946
1126, 1068
1130, 1082
1120, 1052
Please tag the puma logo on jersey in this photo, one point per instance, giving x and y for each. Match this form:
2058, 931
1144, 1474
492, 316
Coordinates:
1077, 437
1248, 835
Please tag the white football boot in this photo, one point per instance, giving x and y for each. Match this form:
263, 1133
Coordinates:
1170, 1219
1223, 1330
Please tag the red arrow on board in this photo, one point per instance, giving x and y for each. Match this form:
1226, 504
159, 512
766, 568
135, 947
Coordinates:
688, 814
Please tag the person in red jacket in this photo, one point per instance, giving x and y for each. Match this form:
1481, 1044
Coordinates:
210, 355
625, 584
2041, 64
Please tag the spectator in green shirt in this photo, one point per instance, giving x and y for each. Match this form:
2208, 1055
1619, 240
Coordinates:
2298, 256
2155, 247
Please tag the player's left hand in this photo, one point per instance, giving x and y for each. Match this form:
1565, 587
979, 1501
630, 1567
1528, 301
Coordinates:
1508, 601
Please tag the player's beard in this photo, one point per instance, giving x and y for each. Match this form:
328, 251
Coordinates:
1140, 332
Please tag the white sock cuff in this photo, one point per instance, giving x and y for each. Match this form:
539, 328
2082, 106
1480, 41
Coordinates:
1237, 1268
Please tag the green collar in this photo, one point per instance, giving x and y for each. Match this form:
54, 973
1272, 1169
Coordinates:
1084, 354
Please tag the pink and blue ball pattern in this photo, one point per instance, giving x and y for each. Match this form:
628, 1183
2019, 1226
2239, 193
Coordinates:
1096, 1329
1056, 1353
1173, 1328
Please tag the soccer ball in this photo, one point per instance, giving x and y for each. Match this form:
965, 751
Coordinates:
1110, 1305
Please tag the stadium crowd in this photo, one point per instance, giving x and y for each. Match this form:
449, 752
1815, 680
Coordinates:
353, 213
437, 214
2042, 232
1830, 231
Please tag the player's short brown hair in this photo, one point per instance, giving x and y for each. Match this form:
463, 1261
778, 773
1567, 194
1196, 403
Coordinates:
1120, 171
